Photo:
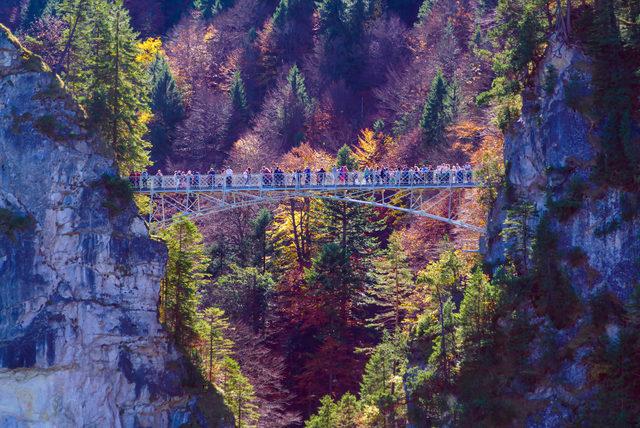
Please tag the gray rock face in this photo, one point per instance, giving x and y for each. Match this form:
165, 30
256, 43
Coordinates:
80, 341
554, 143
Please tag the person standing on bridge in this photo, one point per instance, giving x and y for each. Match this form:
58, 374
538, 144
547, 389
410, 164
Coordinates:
320, 176
229, 176
307, 175
212, 176
247, 176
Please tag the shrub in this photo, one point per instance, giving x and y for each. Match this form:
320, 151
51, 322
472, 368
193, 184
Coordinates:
118, 193
566, 207
46, 125
12, 222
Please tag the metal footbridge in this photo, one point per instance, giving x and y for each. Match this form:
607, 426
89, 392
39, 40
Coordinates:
196, 195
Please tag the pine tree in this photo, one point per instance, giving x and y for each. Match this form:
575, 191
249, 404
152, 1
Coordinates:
185, 274
263, 248
243, 294
382, 382
104, 73
477, 310
216, 346
436, 112
238, 394
330, 13
441, 279
352, 226
167, 107
298, 87
238, 95
210, 8
518, 233
392, 288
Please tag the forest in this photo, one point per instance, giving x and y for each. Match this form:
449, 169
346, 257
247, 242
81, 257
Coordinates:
322, 313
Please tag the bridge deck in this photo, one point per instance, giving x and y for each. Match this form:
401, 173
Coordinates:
291, 182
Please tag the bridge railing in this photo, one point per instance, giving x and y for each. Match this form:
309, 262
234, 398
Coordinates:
288, 181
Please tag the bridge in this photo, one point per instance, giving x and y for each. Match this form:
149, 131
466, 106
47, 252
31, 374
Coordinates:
196, 195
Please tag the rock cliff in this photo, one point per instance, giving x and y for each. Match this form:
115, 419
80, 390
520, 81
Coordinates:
549, 155
80, 341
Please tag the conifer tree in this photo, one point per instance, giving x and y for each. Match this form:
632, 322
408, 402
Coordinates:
382, 382
238, 394
436, 112
243, 294
210, 8
330, 13
185, 274
217, 346
477, 309
262, 245
519, 235
392, 288
167, 106
352, 226
105, 75
298, 87
238, 95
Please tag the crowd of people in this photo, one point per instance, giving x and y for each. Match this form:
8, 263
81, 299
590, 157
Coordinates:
266, 177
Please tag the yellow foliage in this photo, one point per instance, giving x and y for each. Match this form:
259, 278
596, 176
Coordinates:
370, 147
304, 155
145, 117
148, 49
209, 34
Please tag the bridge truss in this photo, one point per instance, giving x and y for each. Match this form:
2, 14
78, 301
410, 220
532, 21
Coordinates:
202, 195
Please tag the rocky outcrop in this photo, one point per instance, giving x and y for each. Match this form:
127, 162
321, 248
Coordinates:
549, 155
80, 341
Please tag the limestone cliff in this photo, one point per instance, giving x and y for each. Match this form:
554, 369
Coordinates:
549, 154
80, 341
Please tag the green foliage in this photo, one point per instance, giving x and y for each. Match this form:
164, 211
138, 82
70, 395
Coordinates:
118, 193
345, 157
425, 10
475, 320
210, 8
185, 275
518, 233
378, 125
331, 273
392, 288
341, 24
239, 395
437, 110
553, 294
616, 369
167, 106
345, 413
212, 328
263, 248
12, 222
243, 294
571, 202
286, 11
382, 381
238, 95
101, 69
298, 87
600, 30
